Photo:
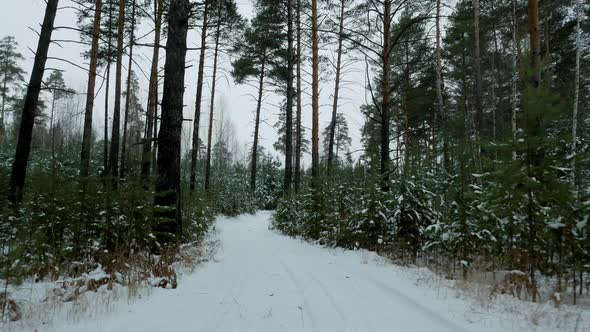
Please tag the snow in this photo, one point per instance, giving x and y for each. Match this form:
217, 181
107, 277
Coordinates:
261, 281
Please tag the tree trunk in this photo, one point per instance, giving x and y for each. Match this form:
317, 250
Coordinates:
23, 147
106, 95
168, 197
257, 126
534, 155
494, 83
2, 110
152, 94
385, 102
114, 157
515, 75
298, 121
212, 103
315, 96
336, 89
289, 118
576, 95
128, 90
533, 11
439, 94
87, 134
478, 83
198, 100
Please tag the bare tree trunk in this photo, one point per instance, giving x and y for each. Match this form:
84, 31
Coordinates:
128, 98
87, 134
515, 75
336, 89
114, 157
494, 83
107, 91
2, 112
534, 156
576, 95
298, 121
439, 94
385, 103
198, 100
289, 118
212, 104
23, 147
478, 83
152, 94
533, 11
315, 96
257, 126
168, 197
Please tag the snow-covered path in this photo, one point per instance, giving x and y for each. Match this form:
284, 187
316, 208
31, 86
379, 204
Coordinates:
262, 281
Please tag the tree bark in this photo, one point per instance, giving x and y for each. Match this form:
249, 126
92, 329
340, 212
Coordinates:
114, 157
198, 100
515, 75
87, 134
257, 126
168, 196
298, 133
107, 91
212, 104
23, 147
315, 96
439, 94
576, 95
128, 98
534, 154
533, 11
336, 89
478, 82
152, 94
385, 102
289, 118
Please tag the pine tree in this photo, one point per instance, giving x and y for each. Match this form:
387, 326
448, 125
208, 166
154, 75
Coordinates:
11, 75
23, 148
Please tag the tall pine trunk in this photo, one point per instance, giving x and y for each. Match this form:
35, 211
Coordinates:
289, 118
386, 94
336, 89
298, 133
87, 134
25, 134
534, 130
257, 126
128, 92
168, 197
212, 104
442, 120
198, 100
146, 155
576, 94
315, 96
107, 91
478, 79
114, 157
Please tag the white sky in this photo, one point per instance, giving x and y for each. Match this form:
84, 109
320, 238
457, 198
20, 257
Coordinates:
17, 16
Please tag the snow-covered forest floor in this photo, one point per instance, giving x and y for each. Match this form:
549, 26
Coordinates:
259, 280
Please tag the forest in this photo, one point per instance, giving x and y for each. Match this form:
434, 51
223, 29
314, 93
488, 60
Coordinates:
473, 153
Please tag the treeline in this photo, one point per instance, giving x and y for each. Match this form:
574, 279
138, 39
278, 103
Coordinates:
73, 197
475, 144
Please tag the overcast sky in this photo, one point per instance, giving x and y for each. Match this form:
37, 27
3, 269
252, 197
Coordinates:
19, 17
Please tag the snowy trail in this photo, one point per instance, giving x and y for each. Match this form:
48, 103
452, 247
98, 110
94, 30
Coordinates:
262, 281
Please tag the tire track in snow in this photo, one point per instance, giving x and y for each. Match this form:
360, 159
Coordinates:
306, 309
